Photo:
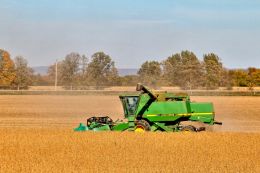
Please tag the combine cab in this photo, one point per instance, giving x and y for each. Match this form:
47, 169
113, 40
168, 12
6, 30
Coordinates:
155, 111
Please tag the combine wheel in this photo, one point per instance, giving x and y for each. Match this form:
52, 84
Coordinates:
142, 126
90, 120
188, 129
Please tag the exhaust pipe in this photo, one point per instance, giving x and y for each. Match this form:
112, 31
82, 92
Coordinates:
217, 122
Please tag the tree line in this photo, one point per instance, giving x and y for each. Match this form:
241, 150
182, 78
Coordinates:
77, 71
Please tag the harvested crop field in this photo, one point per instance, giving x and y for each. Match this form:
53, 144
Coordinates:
36, 136
237, 113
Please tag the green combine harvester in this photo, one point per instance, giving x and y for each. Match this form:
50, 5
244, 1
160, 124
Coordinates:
155, 111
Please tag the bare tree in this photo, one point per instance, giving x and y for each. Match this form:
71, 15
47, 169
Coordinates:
24, 74
69, 69
150, 73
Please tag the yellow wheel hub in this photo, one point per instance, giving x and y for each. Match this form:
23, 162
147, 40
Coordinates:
139, 129
186, 131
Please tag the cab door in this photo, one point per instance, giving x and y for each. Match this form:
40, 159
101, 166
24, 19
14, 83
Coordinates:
129, 104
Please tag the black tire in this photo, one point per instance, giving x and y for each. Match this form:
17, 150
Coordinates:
188, 129
143, 125
90, 120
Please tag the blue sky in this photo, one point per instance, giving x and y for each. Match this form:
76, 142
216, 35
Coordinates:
131, 31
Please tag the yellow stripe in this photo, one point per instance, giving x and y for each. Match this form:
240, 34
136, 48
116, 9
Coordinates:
151, 115
188, 114
203, 113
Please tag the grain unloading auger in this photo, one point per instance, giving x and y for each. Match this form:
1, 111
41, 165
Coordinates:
154, 111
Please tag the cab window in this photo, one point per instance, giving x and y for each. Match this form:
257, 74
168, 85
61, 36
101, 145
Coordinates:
131, 103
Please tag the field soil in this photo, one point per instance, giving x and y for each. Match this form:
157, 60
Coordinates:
36, 135
236, 113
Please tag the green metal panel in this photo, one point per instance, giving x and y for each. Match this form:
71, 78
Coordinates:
154, 127
162, 125
156, 118
102, 128
188, 106
203, 112
93, 126
120, 127
201, 107
160, 107
81, 127
143, 100
205, 118
167, 108
131, 118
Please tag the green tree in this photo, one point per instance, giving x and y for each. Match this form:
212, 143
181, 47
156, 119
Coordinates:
150, 73
184, 70
172, 67
191, 72
24, 74
7, 70
214, 71
101, 70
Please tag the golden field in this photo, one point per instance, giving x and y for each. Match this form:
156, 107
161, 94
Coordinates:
36, 136
61, 150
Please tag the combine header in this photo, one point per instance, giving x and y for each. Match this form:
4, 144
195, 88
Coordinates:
155, 111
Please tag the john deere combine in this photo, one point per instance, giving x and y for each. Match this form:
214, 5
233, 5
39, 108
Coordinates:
154, 111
